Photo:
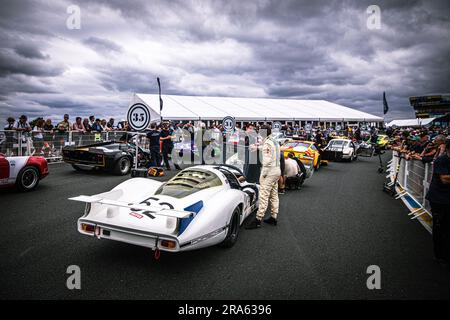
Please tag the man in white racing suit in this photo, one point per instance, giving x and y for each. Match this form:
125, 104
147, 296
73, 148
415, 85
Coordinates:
268, 181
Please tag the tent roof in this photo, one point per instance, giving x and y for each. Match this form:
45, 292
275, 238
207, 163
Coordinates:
410, 122
252, 109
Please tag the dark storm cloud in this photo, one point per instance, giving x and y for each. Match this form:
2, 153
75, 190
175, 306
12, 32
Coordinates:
102, 45
26, 17
13, 63
19, 83
296, 49
126, 79
30, 52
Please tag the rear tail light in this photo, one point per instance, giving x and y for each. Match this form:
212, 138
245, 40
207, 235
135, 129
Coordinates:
169, 244
88, 228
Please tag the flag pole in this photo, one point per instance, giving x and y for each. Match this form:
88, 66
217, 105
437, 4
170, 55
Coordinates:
160, 99
385, 108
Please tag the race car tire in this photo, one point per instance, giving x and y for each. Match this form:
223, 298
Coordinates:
233, 230
123, 166
27, 179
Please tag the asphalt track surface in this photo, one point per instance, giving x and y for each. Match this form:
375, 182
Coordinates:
328, 234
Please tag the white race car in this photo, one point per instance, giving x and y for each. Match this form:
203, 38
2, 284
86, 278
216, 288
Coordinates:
201, 206
346, 149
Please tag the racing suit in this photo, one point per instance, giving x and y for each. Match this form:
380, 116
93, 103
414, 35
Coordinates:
268, 181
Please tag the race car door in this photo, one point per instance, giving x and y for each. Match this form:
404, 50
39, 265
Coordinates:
4, 170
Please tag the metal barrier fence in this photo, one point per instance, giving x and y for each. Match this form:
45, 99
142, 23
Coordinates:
413, 181
50, 144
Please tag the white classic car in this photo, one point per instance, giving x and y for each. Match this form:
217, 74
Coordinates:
346, 149
201, 206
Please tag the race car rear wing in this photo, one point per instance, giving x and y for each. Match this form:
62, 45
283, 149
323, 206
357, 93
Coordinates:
150, 210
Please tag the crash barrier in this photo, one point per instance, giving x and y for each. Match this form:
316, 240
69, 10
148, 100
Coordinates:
411, 180
50, 144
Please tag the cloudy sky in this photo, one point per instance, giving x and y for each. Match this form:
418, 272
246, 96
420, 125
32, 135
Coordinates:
258, 48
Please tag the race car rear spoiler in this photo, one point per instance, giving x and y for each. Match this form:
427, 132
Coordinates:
150, 210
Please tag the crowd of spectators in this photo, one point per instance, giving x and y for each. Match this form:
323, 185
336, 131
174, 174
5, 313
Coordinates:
424, 144
46, 137
86, 125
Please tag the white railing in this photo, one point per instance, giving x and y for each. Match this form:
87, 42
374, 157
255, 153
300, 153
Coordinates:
412, 183
49, 144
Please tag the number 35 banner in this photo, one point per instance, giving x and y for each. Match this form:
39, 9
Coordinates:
138, 117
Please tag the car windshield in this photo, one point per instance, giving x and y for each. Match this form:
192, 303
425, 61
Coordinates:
188, 182
338, 143
296, 144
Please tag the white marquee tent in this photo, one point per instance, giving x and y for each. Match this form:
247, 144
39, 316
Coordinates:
249, 109
410, 122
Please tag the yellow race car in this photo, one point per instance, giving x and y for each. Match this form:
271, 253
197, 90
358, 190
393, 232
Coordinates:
303, 150
336, 135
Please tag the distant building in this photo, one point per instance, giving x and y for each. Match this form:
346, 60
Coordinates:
431, 106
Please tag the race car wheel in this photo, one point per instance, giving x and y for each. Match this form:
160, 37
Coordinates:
233, 230
123, 166
28, 179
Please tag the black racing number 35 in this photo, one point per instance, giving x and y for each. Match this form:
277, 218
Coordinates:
246, 309
138, 117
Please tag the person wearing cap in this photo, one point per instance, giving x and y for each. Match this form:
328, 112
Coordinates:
166, 137
23, 126
268, 180
97, 127
10, 125
439, 197
155, 155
